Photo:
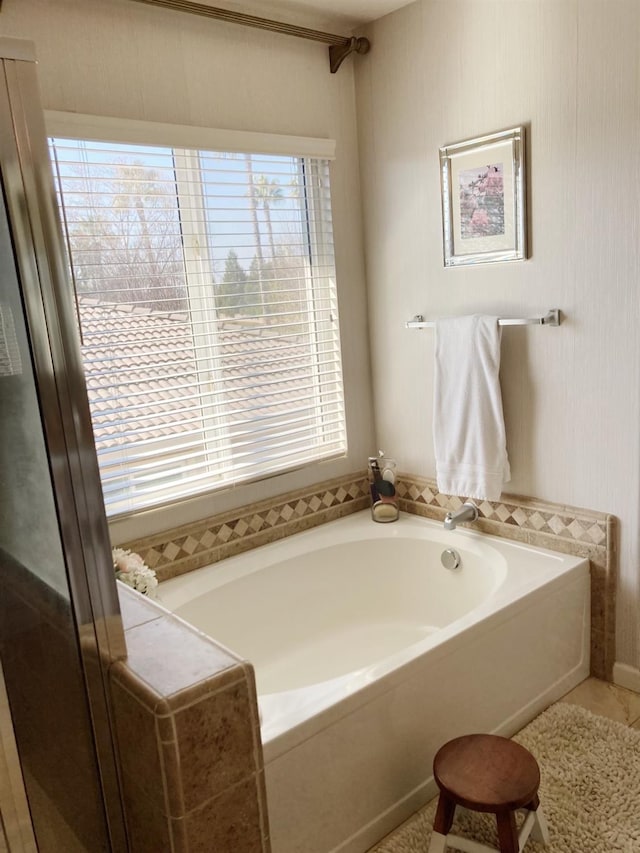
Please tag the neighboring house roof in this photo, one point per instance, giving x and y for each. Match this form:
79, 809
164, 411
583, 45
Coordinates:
118, 341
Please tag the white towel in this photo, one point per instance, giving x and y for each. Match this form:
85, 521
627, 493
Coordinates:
468, 422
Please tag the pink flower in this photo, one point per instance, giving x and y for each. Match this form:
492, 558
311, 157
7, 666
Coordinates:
131, 569
121, 560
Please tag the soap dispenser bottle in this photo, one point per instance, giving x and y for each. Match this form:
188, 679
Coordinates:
382, 482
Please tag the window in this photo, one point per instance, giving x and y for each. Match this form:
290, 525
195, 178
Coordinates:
206, 302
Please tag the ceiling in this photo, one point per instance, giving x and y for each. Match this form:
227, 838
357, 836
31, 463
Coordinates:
357, 11
347, 13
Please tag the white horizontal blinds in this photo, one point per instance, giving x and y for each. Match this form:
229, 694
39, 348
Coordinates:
206, 297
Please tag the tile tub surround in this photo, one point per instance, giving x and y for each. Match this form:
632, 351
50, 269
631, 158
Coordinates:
202, 543
188, 738
570, 530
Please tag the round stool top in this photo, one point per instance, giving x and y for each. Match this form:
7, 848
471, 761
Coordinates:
487, 773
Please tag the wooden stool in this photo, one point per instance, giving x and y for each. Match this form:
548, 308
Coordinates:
487, 773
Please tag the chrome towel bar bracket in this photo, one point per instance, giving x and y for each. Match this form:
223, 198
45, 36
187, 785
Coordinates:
551, 318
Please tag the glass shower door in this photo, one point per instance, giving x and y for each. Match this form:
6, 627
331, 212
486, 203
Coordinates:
59, 617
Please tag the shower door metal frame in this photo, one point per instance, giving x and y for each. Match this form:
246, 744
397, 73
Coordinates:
29, 196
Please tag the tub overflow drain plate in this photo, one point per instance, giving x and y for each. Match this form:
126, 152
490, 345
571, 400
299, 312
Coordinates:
450, 559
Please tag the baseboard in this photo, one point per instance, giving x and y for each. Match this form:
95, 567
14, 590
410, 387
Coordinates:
558, 689
626, 676
371, 834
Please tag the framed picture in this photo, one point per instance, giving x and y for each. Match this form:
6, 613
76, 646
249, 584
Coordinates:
483, 199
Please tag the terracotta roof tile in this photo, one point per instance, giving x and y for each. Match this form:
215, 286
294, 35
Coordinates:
163, 391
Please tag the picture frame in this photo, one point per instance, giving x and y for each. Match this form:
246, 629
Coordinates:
483, 182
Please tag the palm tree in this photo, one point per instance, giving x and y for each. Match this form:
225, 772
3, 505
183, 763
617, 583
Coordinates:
253, 199
268, 193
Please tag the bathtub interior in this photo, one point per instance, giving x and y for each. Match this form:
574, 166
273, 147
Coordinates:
334, 610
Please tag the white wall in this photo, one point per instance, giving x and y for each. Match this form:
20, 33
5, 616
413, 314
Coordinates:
441, 71
119, 58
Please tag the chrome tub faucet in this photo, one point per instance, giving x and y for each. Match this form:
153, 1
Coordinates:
467, 512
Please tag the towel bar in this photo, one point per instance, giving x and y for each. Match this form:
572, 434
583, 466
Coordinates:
551, 318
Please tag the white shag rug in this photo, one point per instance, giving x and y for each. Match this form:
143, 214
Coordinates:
589, 789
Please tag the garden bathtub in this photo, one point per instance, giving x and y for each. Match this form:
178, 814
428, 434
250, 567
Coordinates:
369, 654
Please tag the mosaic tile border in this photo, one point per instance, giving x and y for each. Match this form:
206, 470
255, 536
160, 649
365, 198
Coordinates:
199, 544
518, 512
571, 530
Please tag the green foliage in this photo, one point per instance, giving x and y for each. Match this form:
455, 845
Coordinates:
234, 293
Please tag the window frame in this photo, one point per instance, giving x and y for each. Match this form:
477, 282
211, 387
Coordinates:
186, 142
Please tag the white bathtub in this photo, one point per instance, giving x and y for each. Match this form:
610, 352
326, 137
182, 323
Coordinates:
369, 655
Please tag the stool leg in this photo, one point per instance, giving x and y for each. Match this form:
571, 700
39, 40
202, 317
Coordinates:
438, 843
507, 832
540, 831
442, 824
444, 815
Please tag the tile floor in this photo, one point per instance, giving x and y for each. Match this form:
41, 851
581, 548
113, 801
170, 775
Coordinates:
607, 700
